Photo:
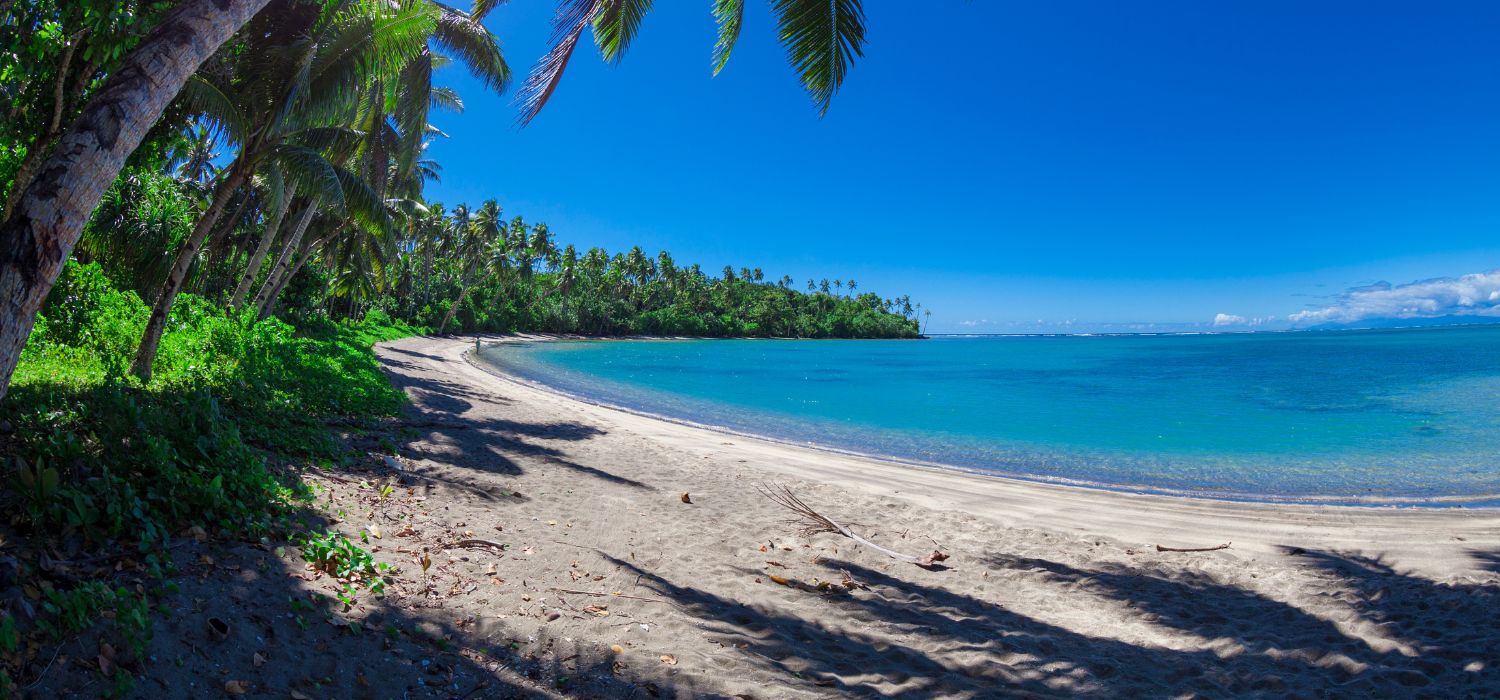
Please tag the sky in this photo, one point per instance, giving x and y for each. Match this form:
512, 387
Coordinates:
1027, 166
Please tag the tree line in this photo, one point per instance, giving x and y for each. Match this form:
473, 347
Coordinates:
322, 107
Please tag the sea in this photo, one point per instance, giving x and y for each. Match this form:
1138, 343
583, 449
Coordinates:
1396, 417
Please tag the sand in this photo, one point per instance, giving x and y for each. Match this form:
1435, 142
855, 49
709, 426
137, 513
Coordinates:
1049, 589
610, 585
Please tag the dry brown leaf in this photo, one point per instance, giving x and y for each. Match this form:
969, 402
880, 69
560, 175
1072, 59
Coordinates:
779, 579
259, 659
686, 498
298, 695
236, 687
669, 660
617, 649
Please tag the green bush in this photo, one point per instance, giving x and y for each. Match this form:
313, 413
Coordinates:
91, 459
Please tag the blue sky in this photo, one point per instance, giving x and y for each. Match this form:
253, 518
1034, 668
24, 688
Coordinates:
1027, 165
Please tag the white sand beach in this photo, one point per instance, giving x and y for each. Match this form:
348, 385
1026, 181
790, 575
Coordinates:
1049, 589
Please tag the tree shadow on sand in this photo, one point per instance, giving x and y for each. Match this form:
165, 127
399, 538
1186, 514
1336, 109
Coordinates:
435, 427
1418, 638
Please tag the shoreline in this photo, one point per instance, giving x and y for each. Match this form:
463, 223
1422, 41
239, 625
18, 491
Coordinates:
1484, 502
1420, 537
621, 548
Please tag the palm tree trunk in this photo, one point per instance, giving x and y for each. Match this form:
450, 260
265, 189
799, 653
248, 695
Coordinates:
50, 213
259, 257
157, 323
273, 279
212, 248
304, 255
462, 294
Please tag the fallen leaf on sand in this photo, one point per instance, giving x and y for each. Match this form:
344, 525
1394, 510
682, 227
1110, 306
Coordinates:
669, 660
375, 531
197, 533
779, 579
617, 649
685, 498
298, 695
236, 687
259, 659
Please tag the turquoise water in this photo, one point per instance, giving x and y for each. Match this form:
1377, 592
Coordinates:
1404, 416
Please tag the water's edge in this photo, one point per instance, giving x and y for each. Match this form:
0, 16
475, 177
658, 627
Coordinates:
1485, 501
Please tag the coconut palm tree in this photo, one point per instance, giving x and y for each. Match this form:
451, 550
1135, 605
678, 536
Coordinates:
490, 250
822, 38
283, 100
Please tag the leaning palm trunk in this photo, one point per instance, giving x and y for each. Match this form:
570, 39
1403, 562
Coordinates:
259, 257
303, 255
156, 325
49, 215
273, 282
462, 294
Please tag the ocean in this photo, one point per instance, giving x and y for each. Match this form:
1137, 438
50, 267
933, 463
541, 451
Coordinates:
1408, 417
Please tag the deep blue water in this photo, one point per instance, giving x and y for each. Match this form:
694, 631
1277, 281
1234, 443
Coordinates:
1393, 415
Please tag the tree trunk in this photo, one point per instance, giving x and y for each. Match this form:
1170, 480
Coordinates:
49, 215
304, 255
157, 323
462, 294
272, 285
212, 248
252, 270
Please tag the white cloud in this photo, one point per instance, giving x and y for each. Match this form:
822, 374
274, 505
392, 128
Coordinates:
1477, 294
1229, 320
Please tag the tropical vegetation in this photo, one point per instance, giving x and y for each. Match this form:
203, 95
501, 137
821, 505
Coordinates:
212, 209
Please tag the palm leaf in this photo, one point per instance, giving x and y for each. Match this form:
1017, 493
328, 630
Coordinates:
215, 106
567, 25
466, 39
310, 172
616, 24
822, 37
730, 16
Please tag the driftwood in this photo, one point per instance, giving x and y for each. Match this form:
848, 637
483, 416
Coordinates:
813, 522
1216, 548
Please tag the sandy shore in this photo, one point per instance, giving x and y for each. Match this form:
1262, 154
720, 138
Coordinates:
1050, 589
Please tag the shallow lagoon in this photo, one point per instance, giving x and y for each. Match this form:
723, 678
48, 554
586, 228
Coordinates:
1390, 416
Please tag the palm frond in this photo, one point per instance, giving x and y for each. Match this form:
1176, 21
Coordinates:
730, 16
447, 99
215, 106
483, 7
822, 38
616, 24
572, 16
466, 39
310, 172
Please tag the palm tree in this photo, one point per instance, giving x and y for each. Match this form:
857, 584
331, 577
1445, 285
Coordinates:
49, 212
279, 101
822, 38
486, 246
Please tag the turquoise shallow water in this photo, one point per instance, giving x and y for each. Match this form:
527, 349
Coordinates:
1404, 416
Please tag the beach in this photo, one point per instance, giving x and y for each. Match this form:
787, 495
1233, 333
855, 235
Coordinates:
698, 586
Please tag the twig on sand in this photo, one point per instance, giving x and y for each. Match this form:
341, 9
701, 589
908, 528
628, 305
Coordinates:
481, 543
813, 522
608, 595
1216, 548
